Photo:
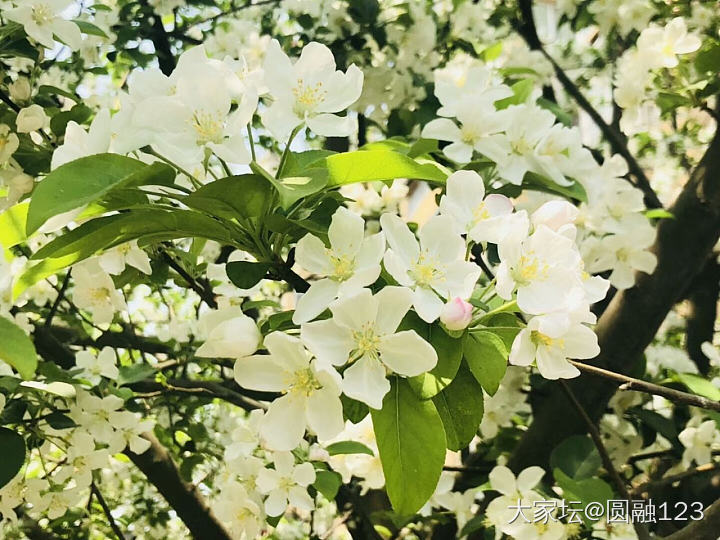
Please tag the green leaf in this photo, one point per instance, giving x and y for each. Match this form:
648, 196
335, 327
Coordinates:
521, 92
90, 29
708, 59
78, 183
562, 115
110, 231
348, 447
292, 189
244, 196
538, 182
17, 349
486, 356
298, 163
699, 385
12, 225
372, 165
664, 426
423, 146
577, 457
411, 443
353, 410
586, 490
134, 373
658, 213
58, 420
246, 274
79, 113
449, 352
47, 90
328, 483
492, 52
460, 407
13, 455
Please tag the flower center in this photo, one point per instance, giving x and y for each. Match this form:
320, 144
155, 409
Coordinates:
343, 266
366, 341
529, 268
521, 146
304, 382
480, 213
425, 270
209, 127
42, 14
468, 135
307, 97
538, 338
100, 295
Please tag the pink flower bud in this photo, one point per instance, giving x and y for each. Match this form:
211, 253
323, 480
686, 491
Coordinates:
456, 314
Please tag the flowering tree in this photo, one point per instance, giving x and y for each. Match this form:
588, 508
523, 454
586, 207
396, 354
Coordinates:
364, 268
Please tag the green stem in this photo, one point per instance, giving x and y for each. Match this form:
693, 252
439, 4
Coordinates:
195, 182
286, 152
252, 144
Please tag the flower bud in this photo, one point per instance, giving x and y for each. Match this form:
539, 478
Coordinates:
456, 314
20, 90
30, 119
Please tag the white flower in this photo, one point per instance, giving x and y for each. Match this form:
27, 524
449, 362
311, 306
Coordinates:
527, 126
311, 395
229, 333
9, 142
82, 459
31, 118
479, 130
434, 268
20, 90
41, 20
459, 86
367, 468
456, 314
190, 113
115, 260
308, 91
286, 484
363, 332
128, 432
349, 264
483, 219
512, 491
545, 269
96, 367
698, 439
666, 43
550, 340
79, 143
95, 291
244, 515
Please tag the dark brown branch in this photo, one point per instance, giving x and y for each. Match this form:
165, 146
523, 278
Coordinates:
161, 41
212, 389
640, 528
526, 28
60, 295
9, 102
630, 383
106, 510
633, 317
705, 529
159, 468
229, 12
702, 302
203, 290
702, 469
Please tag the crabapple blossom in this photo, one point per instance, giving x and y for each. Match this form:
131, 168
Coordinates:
363, 333
41, 20
456, 314
311, 395
551, 340
9, 143
286, 484
698, 438
309, 91
434, 267
482, 218
458, 86
115, 260
666, 43
350, 263
228, 333
95, 291
79, 143
94, 368
31, 118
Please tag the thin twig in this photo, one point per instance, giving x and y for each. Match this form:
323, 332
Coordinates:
9, 102
647, 486
528, 31
106, 509
56, 305
630, 383
640, 528
204, 293
228, 12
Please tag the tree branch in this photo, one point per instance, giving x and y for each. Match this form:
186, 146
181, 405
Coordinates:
705, 529
213, 389
702, 301
633, 317
203, 290
106, 510
630, 383
526, 28
161, 41
640, 528
159, 468
702, 469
